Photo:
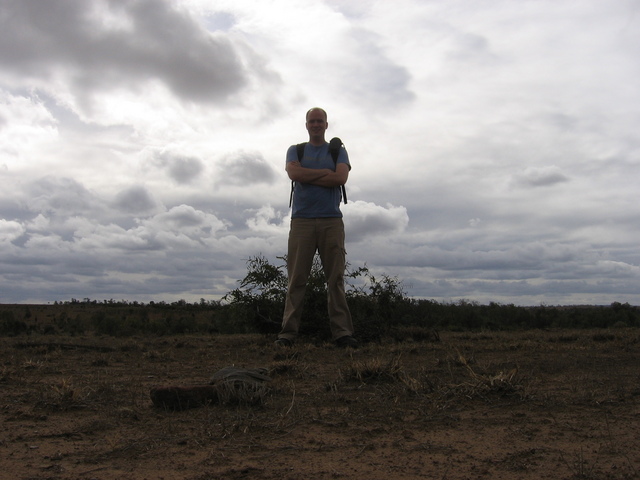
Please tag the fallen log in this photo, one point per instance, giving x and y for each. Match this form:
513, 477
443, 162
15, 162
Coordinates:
230, 385
183, 397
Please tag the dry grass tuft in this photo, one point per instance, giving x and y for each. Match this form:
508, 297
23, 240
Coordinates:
290, 366
241, 393
415, 333
62, 396
158, 355
373, 370
31, 364
503, 383
6, 374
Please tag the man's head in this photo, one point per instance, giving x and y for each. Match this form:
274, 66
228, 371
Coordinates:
316, 125
317, 109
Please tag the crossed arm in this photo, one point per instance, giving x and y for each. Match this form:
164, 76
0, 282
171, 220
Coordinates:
321, 177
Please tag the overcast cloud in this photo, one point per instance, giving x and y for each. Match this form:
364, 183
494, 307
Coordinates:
494, 144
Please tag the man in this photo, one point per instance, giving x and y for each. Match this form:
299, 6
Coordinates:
316, 225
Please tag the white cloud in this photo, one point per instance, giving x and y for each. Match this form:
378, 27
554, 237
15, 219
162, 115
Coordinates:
25, 126
185, 220
10, 230
267, 220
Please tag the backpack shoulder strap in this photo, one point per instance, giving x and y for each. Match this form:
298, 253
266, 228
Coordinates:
300, 152
334, 148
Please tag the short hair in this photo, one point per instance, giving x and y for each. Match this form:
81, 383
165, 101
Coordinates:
316, 108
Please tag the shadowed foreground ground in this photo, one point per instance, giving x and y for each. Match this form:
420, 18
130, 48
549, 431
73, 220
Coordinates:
527, 405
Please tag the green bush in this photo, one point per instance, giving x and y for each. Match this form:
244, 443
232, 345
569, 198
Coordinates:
258, 303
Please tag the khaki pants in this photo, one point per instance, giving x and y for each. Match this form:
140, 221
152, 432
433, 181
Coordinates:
326, 235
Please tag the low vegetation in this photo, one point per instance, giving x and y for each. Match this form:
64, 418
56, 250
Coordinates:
379, 305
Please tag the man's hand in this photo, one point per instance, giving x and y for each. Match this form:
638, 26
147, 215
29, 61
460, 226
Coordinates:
322, 177
298, 173
335, 179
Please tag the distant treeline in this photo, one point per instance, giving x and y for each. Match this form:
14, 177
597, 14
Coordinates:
124, 318
380, 308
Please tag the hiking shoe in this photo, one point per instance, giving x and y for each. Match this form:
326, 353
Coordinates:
347, 342
283, 342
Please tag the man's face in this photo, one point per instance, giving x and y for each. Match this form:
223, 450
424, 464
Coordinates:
316, 123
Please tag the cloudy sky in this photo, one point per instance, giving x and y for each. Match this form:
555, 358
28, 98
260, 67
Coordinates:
494, 144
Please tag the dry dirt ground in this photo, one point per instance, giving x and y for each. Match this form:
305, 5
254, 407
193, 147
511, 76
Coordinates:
525, 405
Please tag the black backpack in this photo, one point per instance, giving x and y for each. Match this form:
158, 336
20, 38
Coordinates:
334, 149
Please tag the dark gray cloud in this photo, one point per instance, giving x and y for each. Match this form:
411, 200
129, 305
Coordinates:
244, 168
366, 220
135, 200
470, 48
183, 169
60, 196
98, 45
371, 75
541, 176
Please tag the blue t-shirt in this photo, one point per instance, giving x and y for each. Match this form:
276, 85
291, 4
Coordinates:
313, 201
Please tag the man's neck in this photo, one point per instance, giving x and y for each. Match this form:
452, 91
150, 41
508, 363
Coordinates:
317, 141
